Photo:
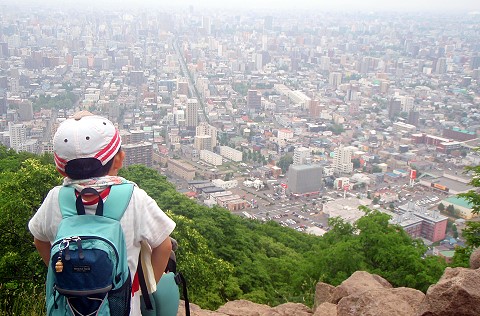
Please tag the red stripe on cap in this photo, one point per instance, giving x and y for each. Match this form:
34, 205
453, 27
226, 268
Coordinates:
111, 149
59, 162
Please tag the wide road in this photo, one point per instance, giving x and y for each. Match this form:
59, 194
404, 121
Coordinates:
191, 85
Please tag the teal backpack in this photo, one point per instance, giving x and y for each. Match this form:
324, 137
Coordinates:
88, 272
165, 300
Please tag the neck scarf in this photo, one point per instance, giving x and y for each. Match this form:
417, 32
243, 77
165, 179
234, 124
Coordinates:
100, 184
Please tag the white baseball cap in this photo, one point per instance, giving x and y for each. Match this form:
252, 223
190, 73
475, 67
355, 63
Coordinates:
88, 136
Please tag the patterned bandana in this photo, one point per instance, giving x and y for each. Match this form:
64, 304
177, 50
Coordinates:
98, 184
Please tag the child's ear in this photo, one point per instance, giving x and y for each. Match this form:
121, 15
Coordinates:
117, 162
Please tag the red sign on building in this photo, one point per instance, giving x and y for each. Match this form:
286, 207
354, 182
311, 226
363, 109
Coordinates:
413, 174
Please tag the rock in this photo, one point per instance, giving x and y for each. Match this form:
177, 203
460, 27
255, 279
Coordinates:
358, 282
475, 259
243, 308
326, 309
195, 310
380, 302
289, 309
323, 293
456, 293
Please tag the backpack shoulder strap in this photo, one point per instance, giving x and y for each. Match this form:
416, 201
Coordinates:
114, 206
118, 200
66, 201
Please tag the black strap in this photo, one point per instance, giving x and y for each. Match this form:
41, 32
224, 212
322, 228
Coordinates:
143, 285
79, 203
180, 280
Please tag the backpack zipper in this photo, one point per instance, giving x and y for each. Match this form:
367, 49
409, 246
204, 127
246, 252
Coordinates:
78, 240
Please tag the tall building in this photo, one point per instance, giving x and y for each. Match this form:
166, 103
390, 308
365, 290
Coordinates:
304, 179
394, 107
475, 62
342, 161
182, 86
3, 104
407, 103
203, 142
301, 156
25, 110
18, 135
441, 65
254, 100
205, 129
413, 117
191, 115
268, 23
138, 154
335, 79
314, 108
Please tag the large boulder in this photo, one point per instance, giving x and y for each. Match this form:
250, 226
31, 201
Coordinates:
289, 309
475, 259
380, 302
456, 293
326, 309
195, 310
358, 282
323, 293
243, 308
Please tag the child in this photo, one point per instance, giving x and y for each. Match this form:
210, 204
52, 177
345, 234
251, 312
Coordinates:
87, 152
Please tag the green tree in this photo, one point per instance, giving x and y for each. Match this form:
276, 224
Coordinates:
451, 210
285, 162
336, 129
441, 207
356, 163
376, 169
471, 233
21, 192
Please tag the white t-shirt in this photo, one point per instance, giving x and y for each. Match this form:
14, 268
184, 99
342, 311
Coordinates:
142, 220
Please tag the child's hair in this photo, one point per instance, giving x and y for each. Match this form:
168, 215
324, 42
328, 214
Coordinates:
84, 168
84, 146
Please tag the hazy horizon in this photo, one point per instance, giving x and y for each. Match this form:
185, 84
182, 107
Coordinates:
346, 6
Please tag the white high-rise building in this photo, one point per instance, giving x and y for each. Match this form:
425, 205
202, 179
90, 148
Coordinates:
204, 129
18, 135
342, 162
301, 156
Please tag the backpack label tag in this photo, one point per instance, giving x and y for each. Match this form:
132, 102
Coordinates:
81, 269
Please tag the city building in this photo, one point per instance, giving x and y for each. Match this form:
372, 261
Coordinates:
204, 128
254, 100
138, 154
462, 206
181, 169
418, 222
231, 153
191, 114
304, 179
18, 135
342, 160
203, 142
301, 156
211, 157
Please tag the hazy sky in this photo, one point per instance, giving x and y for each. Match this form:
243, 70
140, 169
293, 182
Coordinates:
253, 5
